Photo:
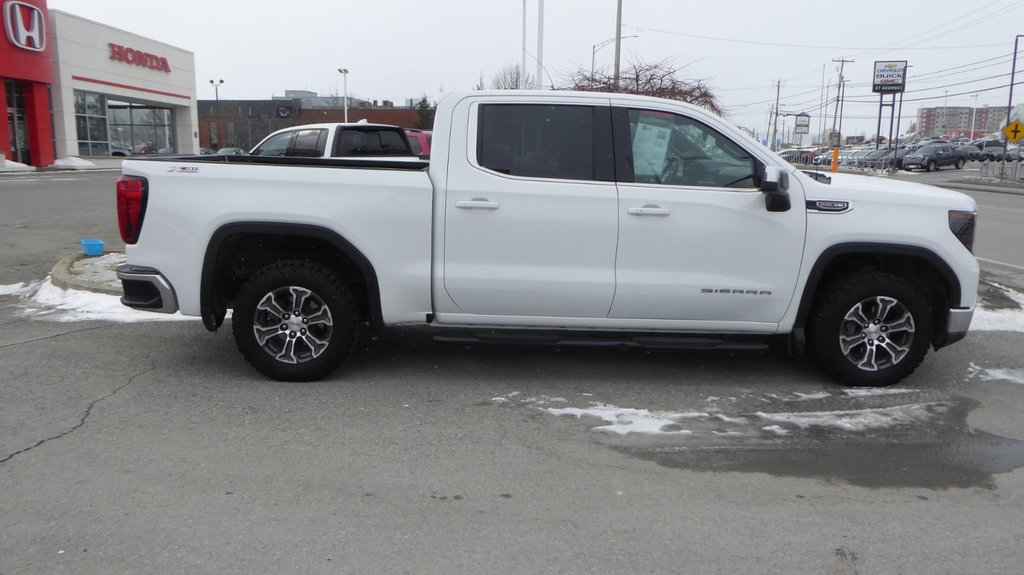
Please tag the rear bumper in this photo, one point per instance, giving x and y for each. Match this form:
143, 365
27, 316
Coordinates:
146, 289
957, 324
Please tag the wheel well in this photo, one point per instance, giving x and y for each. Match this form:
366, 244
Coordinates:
238, 252
920, 267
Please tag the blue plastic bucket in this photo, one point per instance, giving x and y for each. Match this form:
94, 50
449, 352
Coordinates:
92, 247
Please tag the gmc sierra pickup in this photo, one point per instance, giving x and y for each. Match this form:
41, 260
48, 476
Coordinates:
556, 217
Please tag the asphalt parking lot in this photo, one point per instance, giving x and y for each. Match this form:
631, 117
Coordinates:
151, 447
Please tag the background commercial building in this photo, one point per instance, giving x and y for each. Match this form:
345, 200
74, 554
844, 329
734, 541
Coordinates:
75, 87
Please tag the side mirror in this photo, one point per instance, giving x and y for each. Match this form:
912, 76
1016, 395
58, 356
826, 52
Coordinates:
775, 186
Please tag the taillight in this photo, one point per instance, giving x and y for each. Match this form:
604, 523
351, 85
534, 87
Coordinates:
962, 226
131, 206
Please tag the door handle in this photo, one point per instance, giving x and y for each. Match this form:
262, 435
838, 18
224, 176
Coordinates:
477, 204
649, 211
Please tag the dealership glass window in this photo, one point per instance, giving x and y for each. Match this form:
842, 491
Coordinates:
141, 128
91, 124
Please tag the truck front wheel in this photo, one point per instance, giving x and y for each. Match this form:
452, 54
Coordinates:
295, 320
871, 328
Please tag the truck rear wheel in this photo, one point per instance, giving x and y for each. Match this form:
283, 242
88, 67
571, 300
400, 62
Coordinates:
871, 328
295, 320
959, 163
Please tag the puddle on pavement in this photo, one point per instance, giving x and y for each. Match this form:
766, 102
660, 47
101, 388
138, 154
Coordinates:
895, 438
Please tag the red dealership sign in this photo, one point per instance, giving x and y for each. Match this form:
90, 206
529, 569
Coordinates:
24, 47
139, 58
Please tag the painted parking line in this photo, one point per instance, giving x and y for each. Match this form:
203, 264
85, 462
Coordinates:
999, 263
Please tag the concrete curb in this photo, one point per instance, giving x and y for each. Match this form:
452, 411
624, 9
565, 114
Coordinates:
62, 277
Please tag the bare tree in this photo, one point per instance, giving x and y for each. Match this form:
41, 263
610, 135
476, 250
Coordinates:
510, 77
660, 79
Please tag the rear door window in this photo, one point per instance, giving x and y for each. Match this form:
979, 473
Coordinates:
545, 141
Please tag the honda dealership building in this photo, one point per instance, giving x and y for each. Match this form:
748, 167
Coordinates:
75, 87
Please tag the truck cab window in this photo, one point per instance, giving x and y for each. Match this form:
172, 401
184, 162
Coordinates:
309, 143
675, 150
275, 146
541, 141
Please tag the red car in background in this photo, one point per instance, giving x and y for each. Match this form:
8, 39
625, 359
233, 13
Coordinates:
420, 140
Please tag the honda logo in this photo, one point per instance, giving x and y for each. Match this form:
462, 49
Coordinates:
25, 25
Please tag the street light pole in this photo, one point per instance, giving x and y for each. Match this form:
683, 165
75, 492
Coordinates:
974, 115
216, 110
597, 47
344, 74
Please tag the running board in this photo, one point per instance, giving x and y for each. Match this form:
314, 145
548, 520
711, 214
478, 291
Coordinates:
689, 343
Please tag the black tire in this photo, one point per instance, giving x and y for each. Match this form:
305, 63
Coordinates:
959, 163
871, 328
932, 166
295, 347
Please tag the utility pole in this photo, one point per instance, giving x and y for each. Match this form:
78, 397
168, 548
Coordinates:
522, 66
775, 128
537, 83
840, 91
618, 43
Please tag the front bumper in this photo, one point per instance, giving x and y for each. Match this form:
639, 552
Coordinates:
957, 324
146, 289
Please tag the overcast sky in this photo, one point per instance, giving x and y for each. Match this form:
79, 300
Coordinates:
403, 49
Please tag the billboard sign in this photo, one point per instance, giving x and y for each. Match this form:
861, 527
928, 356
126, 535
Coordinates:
803, 124
890, 77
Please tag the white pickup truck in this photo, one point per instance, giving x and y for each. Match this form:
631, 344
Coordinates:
560, 218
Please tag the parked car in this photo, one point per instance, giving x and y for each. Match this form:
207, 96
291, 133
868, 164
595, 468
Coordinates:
892, 159
872, 158
992, 154
116, 150
419, 141
854, 158
971, 153
932, 157
230, 152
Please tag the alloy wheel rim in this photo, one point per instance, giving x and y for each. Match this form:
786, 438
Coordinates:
293, 325
876, 333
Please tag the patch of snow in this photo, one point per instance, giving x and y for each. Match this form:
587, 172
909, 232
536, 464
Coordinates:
626, 421
855, 420
12, 166
815, 395
1000, 319
775, 429
873, 391
44, 300
1009, 374
73, 162
17, 289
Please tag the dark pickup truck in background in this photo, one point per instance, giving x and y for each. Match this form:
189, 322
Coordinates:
932, 157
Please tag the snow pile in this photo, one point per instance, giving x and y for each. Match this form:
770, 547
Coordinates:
1000, 319
73, 162
12, 166
44, 300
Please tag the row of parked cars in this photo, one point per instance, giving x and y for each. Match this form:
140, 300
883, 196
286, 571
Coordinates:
927, 155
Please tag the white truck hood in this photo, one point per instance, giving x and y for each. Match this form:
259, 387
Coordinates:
886, 190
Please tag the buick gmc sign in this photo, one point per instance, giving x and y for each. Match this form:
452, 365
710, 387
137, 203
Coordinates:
25, 25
